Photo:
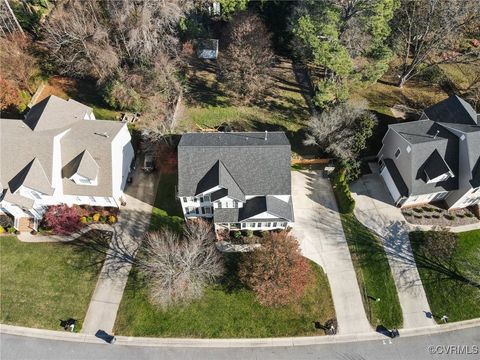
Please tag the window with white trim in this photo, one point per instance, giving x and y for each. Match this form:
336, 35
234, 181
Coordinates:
107, 199
397, 153
244, 225
206, 198
259, 224
252, 225
268, 224
85, 181
92, 198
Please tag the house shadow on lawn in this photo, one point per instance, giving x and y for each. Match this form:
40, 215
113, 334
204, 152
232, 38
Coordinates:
296, 138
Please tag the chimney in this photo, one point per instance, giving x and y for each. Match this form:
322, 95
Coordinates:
266, 134
436, 134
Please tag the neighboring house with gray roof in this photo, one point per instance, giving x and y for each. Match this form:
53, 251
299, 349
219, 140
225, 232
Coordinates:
241, 180
61, 154
436, 158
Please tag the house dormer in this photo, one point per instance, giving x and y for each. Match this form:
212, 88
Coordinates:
83, 170
436, 169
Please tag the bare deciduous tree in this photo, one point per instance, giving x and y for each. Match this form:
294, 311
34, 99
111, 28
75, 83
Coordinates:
77, 39
343, 130
143, 29
179, 267
428, 32
16, 62
247, 61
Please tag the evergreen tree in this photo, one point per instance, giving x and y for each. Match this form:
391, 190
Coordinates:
345, 41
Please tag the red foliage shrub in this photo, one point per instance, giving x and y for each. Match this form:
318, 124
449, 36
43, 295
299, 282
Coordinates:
276, 271
62, 220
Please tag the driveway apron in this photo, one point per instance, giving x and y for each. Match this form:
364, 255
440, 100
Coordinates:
319, 230
374, 208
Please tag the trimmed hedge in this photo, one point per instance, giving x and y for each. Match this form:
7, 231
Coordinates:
345, 201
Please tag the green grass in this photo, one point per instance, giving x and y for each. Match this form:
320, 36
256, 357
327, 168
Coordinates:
448, 296
207, 106
226, 310
166, 211
42, 283
345, 201
373, 274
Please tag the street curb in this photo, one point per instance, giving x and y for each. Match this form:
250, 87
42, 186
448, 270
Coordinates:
231, 343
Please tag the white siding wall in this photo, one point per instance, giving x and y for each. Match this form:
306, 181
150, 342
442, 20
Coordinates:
425, 198
122, 156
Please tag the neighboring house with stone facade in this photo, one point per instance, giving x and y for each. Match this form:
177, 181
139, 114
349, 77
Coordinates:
61, 154
436, 158
240, 180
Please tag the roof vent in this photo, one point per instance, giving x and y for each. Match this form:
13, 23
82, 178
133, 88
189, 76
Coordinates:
436, 134
266, 135
105, 135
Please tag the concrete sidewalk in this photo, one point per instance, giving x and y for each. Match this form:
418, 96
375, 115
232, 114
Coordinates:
134, 221
374, 208
319, 230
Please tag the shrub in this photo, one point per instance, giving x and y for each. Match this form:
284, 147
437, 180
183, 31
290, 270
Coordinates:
417, 216
428, 209
461, 216
83, 220
276, 272
89, 219
265, 233
11, 230
112, 219
237, 234
436, 216
96, 217
249, 233
346, 204
449, 217
2, 230
103, 219
120, 96
469, 214
418, 210
62, 219
407, 213
426, 216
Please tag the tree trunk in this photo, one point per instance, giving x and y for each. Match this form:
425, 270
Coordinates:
402, 81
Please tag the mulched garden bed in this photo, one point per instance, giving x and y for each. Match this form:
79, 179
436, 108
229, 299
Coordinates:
433, 215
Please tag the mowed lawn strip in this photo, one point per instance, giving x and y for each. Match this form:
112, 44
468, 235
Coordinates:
166, 211
42, 283
373, 274
226, 310
447, 296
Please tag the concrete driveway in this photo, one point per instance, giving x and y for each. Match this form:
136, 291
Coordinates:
319, 231
133, 222
374, 208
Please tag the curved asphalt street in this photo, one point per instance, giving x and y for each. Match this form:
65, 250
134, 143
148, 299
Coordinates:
445, 345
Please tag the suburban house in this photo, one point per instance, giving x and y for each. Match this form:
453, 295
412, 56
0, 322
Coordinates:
61, 154
434, 158
241, 180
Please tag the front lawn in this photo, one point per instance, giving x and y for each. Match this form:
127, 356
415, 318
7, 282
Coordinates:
42, 283
373, 274
226, 310
446, 293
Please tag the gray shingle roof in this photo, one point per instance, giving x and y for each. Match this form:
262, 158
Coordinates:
397, 177
30, 142
84, 165
32, 176
435, 166
452, 110
255, 206
55, 113
257, 166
